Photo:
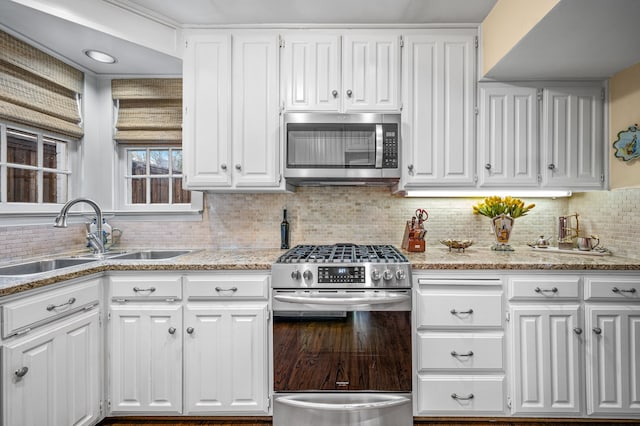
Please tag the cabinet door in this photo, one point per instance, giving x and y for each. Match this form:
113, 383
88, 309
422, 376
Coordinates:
226, 358
572, 138
311, 72
438, 119
371, 72
546, 359
146, 358
207, 106
508, 145
256, 150
52, 378
613, 359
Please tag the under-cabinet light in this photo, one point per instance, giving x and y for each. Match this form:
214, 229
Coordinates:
96, 55
439, 193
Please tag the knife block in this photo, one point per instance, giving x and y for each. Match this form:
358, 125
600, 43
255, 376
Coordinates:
411, 240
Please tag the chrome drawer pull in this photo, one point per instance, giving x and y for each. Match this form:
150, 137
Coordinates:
172, 330
21, 372
232, 289
544, 290
622, 290
190, 330
597, 330
150, 289
456, 354
69, 302
462, 398
454, 312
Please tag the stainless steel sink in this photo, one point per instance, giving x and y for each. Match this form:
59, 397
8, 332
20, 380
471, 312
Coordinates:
40, 266
151, 255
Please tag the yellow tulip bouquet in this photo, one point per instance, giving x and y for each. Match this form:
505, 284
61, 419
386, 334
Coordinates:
495, 206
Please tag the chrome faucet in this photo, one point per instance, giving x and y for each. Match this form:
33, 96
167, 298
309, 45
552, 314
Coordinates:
95, 239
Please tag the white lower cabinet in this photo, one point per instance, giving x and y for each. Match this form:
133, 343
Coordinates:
146, 358
192, 344
546, 368
459, 346
612, 338
51, 375
225, 358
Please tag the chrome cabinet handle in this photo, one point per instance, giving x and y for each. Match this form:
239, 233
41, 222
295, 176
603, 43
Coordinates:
334, 93
597, 330
232, 289
622, 290
223, 166
577, 330
456, 354
468, 311
190, 330
349, 93
238, 167
172, 330
463, 398
69, 302
21, 372
487, 166
551, 166
546, 290
138, 289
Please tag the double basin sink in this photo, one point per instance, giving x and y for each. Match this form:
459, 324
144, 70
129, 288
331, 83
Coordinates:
50, 265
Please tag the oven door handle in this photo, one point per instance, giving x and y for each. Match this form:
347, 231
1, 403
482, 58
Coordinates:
391, 401
372, 300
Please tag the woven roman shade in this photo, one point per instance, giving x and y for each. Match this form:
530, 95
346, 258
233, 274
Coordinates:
39, 90
148, 109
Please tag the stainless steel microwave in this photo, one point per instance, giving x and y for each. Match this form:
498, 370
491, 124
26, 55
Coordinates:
328, 148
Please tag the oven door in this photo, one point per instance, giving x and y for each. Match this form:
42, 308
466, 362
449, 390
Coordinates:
342, 340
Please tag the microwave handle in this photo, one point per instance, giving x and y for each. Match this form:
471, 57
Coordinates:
379, 142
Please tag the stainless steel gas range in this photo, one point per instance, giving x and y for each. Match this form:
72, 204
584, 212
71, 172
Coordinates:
342, 336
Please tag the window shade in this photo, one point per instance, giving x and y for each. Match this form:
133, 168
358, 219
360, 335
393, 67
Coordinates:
39, 90
148, 109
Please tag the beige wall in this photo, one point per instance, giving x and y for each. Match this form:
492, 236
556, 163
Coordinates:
507, 23
624, 111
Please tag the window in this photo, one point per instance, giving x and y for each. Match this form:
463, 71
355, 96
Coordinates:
35, 167
154, 176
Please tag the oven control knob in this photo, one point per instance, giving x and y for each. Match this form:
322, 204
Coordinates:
307, 275
387, 275
400, 275
295, 275
375, 275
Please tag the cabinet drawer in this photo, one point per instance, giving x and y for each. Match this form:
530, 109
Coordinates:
214, 287
459, 309
623, 289
544, 288
474, 394
37, 310
460, 351
150, 287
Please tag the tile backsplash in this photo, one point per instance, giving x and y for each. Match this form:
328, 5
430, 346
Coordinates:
345, 214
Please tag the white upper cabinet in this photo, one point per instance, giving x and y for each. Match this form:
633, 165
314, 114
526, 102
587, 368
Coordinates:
311, 70
437, 118
508, 136
371, 70
207, 111
346, 72
231, 117
573, 148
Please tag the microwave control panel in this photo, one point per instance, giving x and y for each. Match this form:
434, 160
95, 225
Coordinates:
390, 146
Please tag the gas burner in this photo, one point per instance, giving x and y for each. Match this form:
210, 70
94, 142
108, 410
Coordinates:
342, 265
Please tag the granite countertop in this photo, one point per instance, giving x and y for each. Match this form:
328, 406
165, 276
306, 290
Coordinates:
434, 258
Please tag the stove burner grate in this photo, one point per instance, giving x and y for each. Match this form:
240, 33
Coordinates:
343, 253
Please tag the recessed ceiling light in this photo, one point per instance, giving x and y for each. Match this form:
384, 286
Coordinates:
96, 55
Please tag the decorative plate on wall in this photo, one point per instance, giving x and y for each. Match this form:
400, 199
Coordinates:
628, 144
